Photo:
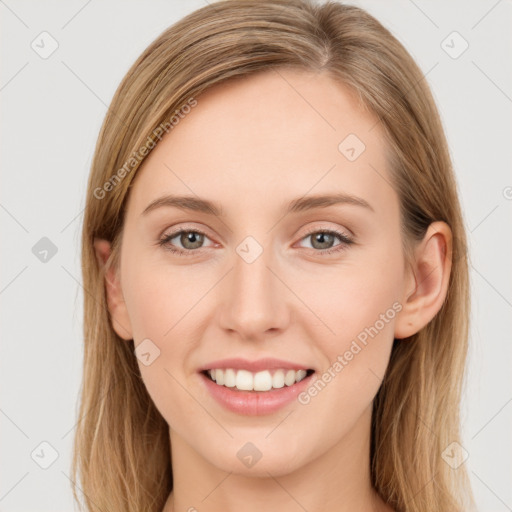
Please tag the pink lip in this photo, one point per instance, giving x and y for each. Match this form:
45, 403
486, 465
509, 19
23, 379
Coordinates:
268, 363
255, 403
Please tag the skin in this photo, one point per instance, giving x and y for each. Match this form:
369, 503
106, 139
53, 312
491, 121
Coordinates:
253, 145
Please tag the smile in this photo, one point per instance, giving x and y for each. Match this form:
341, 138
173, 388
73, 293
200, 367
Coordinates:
266, 380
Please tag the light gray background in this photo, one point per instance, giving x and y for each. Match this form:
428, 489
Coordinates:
51, 114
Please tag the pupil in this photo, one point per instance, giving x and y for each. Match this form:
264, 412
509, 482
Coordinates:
191, 238
320, 237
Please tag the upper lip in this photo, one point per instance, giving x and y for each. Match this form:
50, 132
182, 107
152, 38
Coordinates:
267, 363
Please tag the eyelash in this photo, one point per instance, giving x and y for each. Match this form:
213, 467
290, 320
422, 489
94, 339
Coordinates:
345, 241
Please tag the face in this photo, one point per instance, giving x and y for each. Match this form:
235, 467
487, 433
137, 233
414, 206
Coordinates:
258, 286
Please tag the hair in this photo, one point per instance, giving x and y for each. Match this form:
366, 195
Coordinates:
121, 449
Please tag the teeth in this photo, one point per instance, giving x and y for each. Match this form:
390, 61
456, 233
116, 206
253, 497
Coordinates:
219, 377
289, 378
229, 378
278, 379
244, 380
260, 381
301, 374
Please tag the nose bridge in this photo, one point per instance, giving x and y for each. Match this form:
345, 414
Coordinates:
255, 298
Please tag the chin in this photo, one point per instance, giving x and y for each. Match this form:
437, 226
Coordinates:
259, 459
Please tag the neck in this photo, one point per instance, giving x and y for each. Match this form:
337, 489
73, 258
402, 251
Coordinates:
338, 480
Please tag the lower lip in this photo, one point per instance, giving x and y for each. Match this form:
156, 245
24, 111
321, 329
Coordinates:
255, 403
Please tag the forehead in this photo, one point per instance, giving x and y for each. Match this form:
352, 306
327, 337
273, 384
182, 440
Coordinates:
268, 137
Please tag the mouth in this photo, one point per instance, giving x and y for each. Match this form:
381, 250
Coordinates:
255, 387
256, 382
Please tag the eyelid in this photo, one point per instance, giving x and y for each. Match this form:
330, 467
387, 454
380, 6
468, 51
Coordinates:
178, 228
186, 229
322, 229
345, 240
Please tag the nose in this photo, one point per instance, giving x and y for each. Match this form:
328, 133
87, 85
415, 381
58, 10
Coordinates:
255, 306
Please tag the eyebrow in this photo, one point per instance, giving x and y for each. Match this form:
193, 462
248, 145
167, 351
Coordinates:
197, 204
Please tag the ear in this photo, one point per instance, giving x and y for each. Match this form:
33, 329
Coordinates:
427, 281
115, 300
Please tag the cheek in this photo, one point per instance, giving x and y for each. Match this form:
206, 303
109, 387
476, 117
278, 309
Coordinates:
164, 306
157, 303
157, 298
358, 306
365, 305
355, 300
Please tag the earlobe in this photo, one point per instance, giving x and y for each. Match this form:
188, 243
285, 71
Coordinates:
428, 281
103, 250
115, 300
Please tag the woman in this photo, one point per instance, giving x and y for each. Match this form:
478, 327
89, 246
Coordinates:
277, 302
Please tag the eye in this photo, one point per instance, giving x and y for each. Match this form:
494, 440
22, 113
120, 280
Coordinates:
190, 240
323, 240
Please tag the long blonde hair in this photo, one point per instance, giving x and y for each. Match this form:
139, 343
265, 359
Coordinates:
121, 446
